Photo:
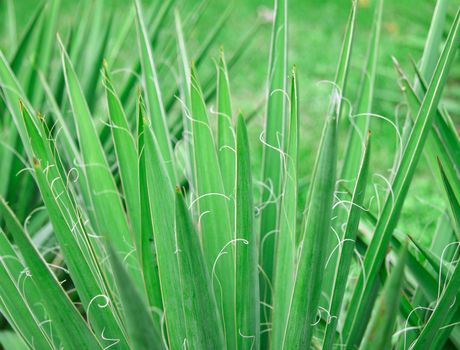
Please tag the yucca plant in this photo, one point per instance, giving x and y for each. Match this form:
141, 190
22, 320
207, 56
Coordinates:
130, 212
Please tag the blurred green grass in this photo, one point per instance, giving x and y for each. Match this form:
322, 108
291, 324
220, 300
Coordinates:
315, 33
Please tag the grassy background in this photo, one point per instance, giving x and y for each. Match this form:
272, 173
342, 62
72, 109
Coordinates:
315, 34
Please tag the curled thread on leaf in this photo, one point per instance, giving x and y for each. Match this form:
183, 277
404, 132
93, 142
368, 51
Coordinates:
207, 195
114, 341
104, 304
337, 246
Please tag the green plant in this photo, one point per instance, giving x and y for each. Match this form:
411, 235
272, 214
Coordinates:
147, 233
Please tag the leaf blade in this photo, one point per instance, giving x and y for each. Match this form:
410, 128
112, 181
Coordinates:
247, 282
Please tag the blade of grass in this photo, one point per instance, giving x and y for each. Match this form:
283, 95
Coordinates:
286, 240
247, 280
160, 191
271, 158
147, 247
201, 312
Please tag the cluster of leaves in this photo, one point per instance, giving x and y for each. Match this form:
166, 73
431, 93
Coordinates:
145, 233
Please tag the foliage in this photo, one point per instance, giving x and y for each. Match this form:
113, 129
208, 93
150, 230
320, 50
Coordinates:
130, 215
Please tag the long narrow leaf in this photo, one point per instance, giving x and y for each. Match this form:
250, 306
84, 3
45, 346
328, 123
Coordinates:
247, 280
286, 240
160, 192
271, 162
201, 312
147, 245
